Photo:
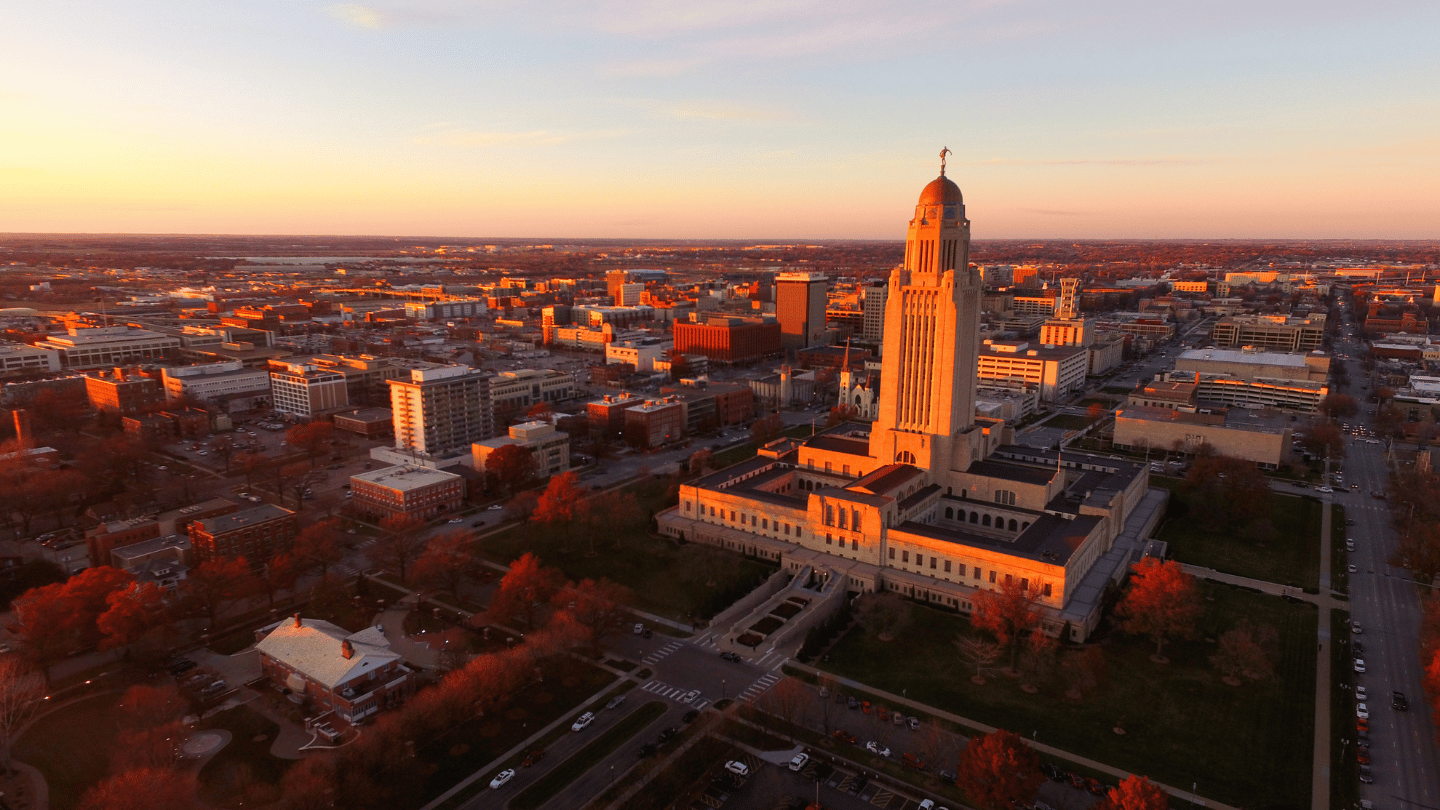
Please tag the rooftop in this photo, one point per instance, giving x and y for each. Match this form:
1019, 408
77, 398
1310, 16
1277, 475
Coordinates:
314, 650
241, 519
1239, 356
405, 477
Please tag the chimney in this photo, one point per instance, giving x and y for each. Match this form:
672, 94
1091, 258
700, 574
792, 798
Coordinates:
347, 650
297, 619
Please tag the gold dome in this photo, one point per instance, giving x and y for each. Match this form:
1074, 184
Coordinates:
941, 190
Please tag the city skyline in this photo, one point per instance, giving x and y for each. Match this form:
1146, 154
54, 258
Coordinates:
743, 120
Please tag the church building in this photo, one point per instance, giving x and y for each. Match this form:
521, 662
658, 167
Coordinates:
928, 500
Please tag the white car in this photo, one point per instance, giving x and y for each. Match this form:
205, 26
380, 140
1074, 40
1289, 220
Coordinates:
1360, 665
1362, 711
1355, 628
926, 804
1360, 694
876, 748
495, 507
737, 767
584, 720
502, 777
1324, 489
799, 762
456, 520
1353, 569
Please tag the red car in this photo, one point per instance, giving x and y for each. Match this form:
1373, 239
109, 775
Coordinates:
533, 757
843, 736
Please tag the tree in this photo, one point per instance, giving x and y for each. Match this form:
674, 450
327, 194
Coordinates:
1134, 793
311, 437
840, 414
766, 429
1037, 656
1418, 547
1085, 671
560, 504
217, 583
509, 468
1163, 602
1324, 439
1338, 406
1230, 492
998, 770
618, 513
223, 447
447, 561
787, 700
131, 613
21, 690
825, 706
1009, 612
601, 606
522, 505
1095, 412
979, 653
317, 548
700, 460
142, 789
1247, 651
399, 545
252, 464
884, 614
540, 411
524, 590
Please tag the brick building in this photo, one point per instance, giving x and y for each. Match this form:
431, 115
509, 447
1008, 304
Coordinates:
353, 675
256, 534
418, 492
123, 391
607, 414
108, 536
654, 422
729, 340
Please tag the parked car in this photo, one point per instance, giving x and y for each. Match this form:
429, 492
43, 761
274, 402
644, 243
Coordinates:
1362, 711
799, 761
1360, 693
582, 722
876, 748
910, 760
690, 716
1360, 665
852, 703
737, 767
843, 736
615, 701
639, 628
730, 656
501, 778
913, 723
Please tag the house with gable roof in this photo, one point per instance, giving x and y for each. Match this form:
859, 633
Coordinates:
353, 674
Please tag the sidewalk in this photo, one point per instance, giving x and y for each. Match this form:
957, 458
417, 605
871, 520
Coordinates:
392, 620
1320, 779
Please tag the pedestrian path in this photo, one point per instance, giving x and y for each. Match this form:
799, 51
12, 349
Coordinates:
760, 687
654, 658
689, 697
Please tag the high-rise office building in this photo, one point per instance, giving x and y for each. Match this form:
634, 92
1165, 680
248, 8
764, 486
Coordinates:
872, 303
441, 410
800, 306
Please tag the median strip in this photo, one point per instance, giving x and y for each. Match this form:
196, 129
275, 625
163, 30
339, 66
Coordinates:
586, 758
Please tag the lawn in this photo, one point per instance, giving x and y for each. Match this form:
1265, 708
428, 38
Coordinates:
463, 750
1067, 421
243, 772
1290, 557
1248, 746
72, 747
1344, 769
586, 758
668, 580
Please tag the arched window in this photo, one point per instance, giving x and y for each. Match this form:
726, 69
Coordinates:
974, 517
1012, 524
985, 521
1024, 526
949, 513
905, 457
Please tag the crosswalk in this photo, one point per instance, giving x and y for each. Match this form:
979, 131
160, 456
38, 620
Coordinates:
759, 687
690, 697
654, 657
346, 571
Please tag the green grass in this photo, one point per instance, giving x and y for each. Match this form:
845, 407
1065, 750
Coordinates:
586, 758
668, 580
72, 747
1291, 556
1247, 746
232, 643
460, 752
1344, 770
1339, 557
243, 772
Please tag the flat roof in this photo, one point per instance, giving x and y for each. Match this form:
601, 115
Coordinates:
1251, 358
241, 519
1050, 539
405, 477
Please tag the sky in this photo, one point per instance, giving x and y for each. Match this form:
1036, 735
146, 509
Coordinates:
752, 119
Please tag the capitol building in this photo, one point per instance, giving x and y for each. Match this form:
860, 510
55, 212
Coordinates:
928, 500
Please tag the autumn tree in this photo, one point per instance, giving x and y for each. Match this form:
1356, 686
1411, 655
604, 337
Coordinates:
130, 613
1134, 793
600, 606
142, 789
1229, 492
998, 771
1009, 613
522, 505
217, 583
317, 548
252, 464
310, 437
1246, 650
448, 561
1418, 547
561, 504
1085, 671
884, 614
979, 653
1095, 412
540, 411
1324, 439
524, 591
1338, 406
700, 460
1163, 602
509, 468
400, 544
149, 721
21, 689
840, 414
223, 448
766, 429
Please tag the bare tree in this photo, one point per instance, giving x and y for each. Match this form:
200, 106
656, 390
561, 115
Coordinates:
885, 614
826, 707
979, 653
21, 688
787, 700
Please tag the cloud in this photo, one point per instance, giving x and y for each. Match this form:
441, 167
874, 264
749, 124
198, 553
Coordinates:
358, 16
493, 139
1094, 162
